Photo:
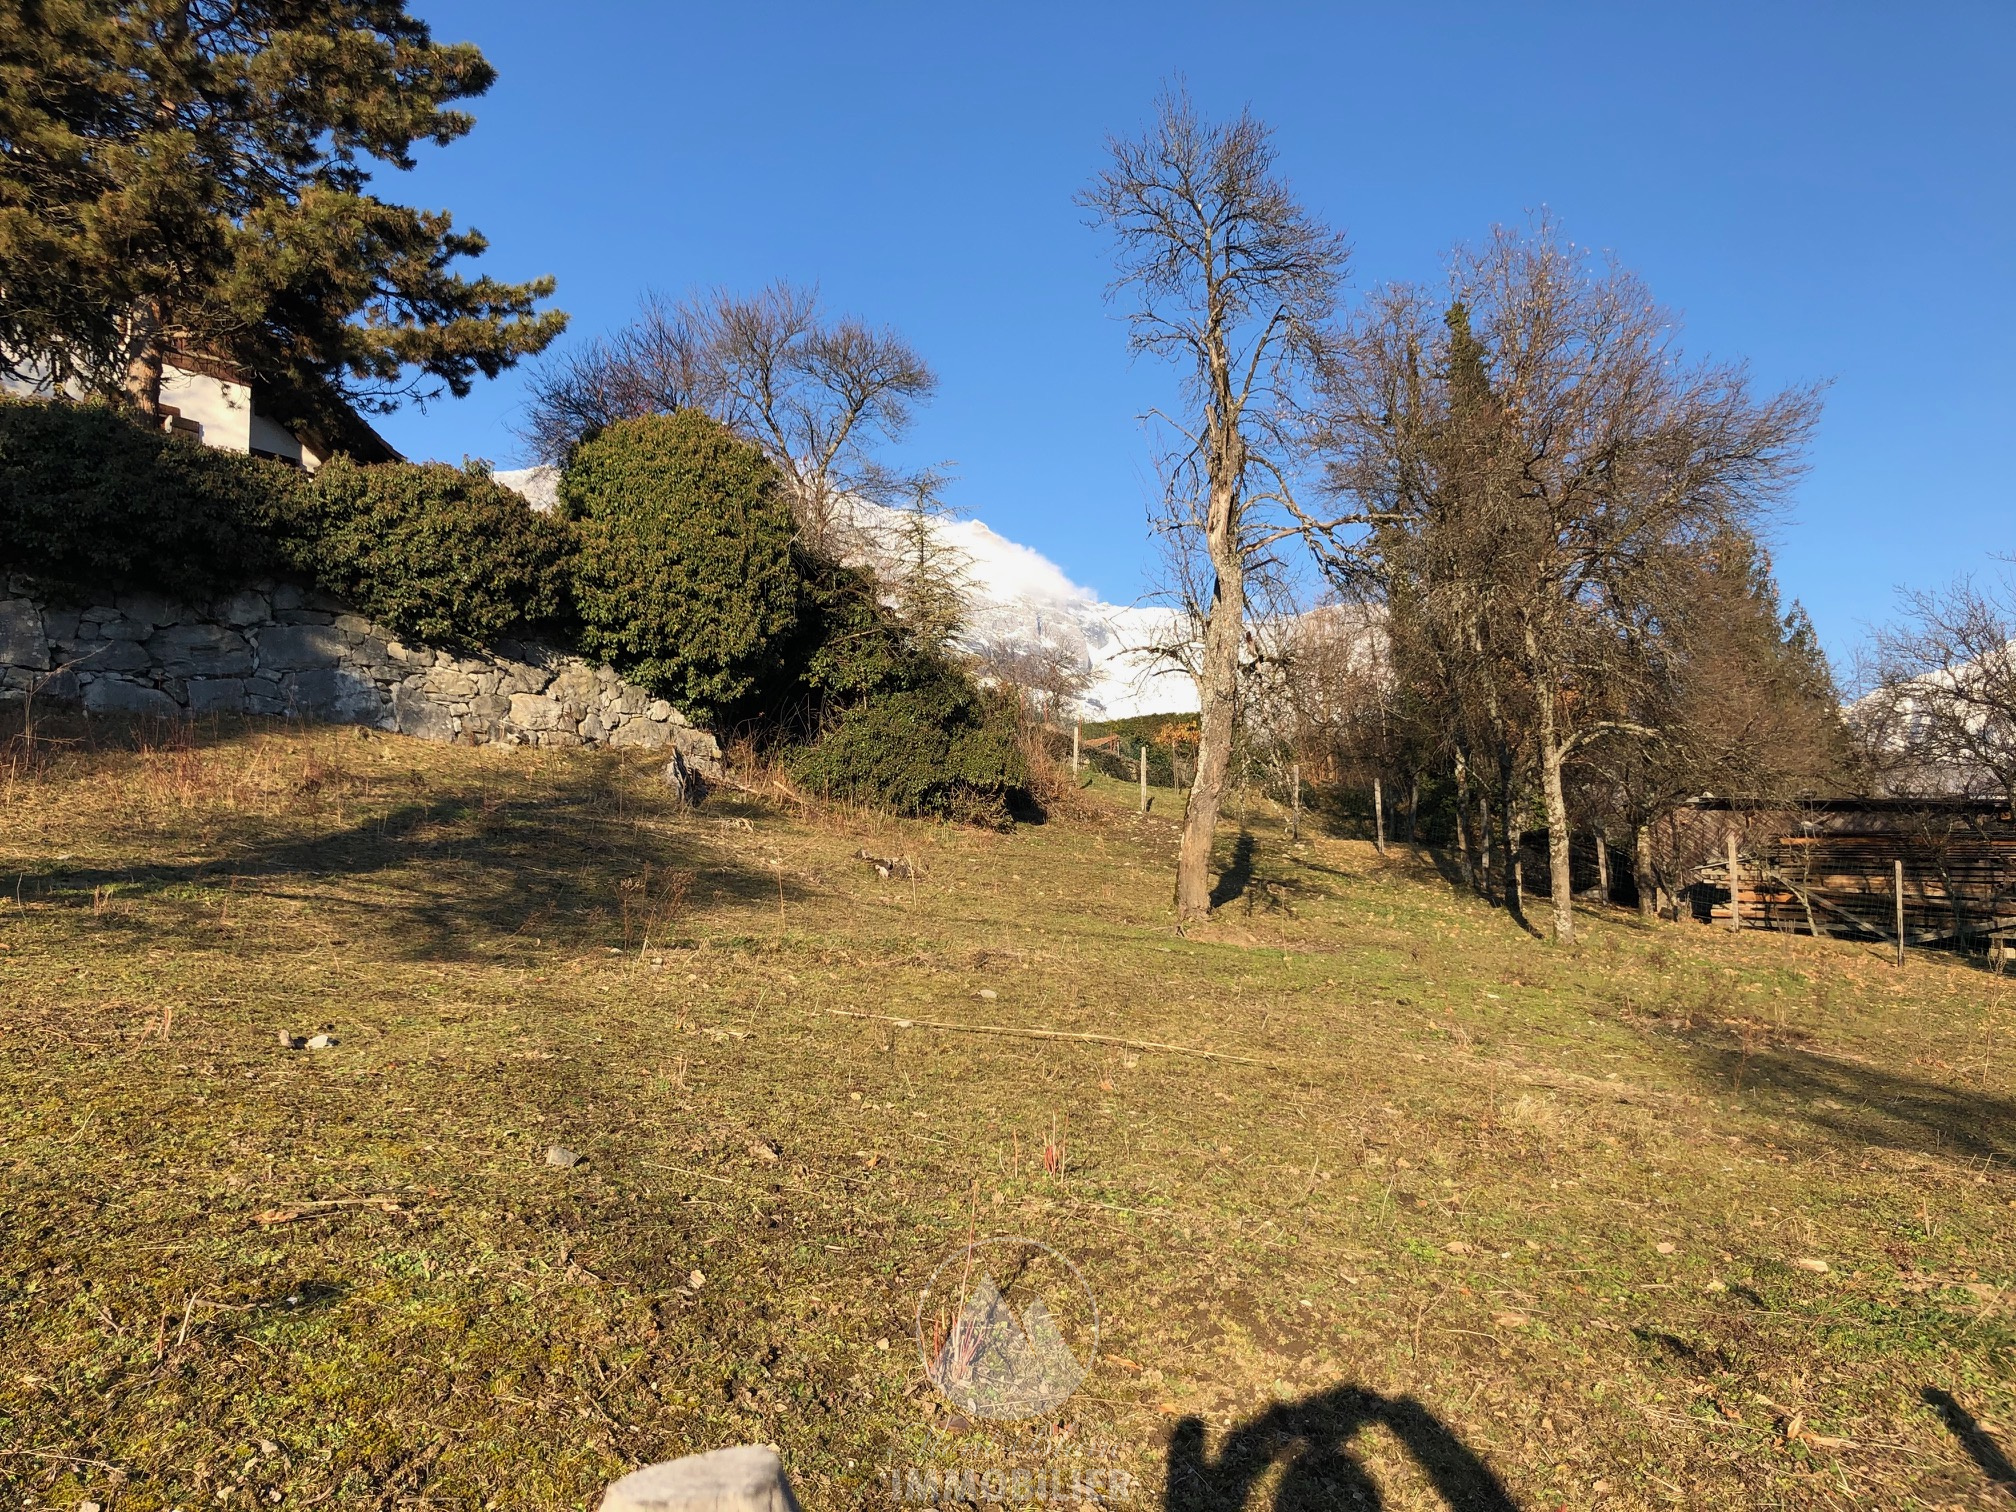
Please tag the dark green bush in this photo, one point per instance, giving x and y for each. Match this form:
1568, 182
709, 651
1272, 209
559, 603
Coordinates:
92, 500
940, 747
433, 552
685, 580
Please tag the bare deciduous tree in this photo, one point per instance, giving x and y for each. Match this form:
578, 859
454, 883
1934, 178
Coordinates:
1941, 715
823, 396
1235, 283
1531, 477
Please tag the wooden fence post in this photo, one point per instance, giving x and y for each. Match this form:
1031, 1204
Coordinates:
1144, 777
1379, 815
1735, 885
1897, 886
1076, 726
1295, 813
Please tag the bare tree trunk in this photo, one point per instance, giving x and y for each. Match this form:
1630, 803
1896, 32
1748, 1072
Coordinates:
1464, 863
1218, 696
143, 366
1485, 882
1547, 737
1414, 812
1508, 839
1641, 871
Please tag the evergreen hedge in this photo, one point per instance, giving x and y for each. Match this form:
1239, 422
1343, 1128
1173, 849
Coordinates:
91, 501
940, 748
685, 581
434, 552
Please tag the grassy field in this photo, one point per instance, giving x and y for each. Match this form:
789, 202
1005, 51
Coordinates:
1667, 1219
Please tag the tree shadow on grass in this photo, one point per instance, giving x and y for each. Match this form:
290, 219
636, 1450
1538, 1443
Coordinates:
457, 873
1982, 1449
1867, 1105
1311, 1440
1238, 873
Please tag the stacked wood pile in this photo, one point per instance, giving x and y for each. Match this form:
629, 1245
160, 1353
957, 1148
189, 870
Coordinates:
1831, 868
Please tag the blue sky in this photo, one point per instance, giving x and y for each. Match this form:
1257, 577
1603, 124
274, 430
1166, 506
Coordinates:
1823, 189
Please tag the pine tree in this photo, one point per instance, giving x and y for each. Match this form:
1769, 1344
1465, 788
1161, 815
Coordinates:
192, 175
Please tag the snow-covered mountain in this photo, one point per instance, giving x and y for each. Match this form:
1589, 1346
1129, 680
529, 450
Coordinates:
1020, 600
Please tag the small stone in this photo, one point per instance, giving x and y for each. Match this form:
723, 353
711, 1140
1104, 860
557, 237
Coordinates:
268, 1448
322, 1042
1664, 1248
292, 1041
1818, 1267
87, 1506
696, 1279
1457, 1247
989, 993
763, 1150
560, 1158
746, 1479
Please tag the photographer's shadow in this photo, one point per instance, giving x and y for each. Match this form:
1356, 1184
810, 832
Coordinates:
1311, 1440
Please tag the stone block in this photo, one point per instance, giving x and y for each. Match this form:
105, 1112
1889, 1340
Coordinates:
114, 695
216, 695
745, 1479
113, 656
641, 734
630, 701
303, 617
490, 706
59, 687
451, 682
295, 648
248, 608
200, 651
529, 711
591, 730
521, 677
118, 627
372, 652
24, 640
421, 716
266, 698
288, 596
658, 709
150, 610
701, 750
353, 626
338, 695
60, 624
575, 685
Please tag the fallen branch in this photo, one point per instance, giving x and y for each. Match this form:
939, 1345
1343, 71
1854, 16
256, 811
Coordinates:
1057, 1034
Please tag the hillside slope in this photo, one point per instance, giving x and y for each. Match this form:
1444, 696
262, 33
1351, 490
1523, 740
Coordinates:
1665, 1219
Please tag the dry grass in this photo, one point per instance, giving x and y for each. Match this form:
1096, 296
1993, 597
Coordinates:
1557, 1198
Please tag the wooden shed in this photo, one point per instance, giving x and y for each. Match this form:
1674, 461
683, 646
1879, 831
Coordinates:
1831, 867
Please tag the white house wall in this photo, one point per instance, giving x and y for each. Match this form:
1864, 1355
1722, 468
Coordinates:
223, 409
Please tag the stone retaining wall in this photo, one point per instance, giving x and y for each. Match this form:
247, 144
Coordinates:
280, 649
